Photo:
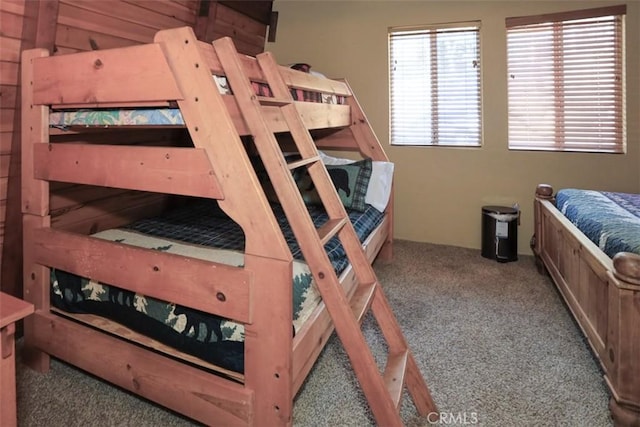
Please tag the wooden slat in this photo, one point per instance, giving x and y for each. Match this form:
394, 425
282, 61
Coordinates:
6, 139
128, 13
319, 116
13, 6
10, 24
8, 73
119, 330
300, 80
292, 78
78, 39
207, 286
394, 374
185, 171
186, 4
98, 76
10, 49
184, 11
5, 159
6, 119
92, 21
314, 116
209, 399
8, 94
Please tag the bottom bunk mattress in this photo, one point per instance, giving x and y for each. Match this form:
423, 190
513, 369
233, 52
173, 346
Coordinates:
610, 220
199, 230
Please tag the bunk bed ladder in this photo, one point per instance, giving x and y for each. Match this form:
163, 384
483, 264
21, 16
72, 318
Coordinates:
382, 390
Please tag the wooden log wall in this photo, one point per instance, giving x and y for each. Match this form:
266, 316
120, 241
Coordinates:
66, 26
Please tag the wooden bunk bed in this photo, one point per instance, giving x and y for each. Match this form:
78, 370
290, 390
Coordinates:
206, 152
602, 291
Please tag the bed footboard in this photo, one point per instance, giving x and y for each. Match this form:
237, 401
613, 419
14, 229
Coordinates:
603, 294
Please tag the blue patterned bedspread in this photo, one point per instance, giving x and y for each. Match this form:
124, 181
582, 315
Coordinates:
610, 220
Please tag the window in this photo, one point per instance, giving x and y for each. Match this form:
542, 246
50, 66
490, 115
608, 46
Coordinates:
435, 85
566, 81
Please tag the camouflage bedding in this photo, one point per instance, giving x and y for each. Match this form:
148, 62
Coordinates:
200, 231
610, 220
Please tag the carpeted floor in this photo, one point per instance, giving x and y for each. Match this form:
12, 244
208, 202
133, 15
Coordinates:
494, 342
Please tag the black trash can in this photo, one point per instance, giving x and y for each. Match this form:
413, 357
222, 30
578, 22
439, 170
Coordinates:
500, 233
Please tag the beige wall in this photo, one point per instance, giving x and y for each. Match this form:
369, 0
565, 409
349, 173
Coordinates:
440, 191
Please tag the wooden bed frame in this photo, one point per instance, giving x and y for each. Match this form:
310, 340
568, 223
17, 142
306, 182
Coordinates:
603, 295
212, 163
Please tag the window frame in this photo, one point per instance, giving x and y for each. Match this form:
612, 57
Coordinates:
611, 129
434, 137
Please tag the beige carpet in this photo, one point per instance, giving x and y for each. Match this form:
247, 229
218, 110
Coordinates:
494, 341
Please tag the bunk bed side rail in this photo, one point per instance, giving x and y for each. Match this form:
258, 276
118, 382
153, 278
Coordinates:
209, 399
207, 286
185, 171
293, 78
97, 77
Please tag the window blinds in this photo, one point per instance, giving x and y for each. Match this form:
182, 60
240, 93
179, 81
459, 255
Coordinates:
566, 81
435, 85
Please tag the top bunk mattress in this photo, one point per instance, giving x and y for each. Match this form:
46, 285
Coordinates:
610, 220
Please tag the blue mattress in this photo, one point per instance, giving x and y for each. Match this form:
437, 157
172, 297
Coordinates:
610, 220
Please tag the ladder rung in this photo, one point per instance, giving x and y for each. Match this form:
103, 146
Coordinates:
302, 162
394, 374
362, 298
330, 229
273, 102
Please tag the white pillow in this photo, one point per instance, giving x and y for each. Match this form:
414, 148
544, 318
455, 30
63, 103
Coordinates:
379, 188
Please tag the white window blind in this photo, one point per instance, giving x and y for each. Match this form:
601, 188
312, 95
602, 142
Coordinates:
435, 85
566, 81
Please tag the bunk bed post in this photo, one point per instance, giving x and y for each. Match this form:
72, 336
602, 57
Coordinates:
268, 354
622, 356
543, 192
268, 367
35, 207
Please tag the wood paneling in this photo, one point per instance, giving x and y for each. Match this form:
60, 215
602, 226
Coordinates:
10, 24
8, 95
13, 6
10, 49
8, 73
71, 40
92, 21
69, 26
